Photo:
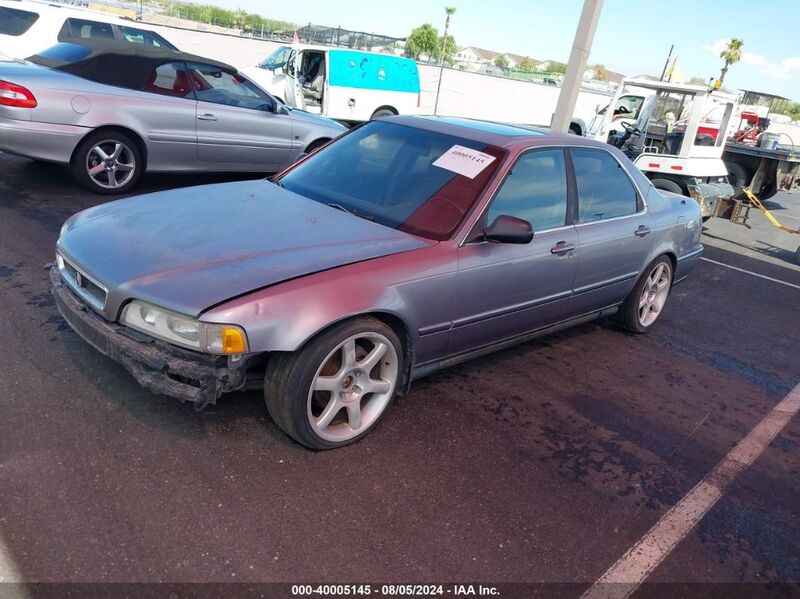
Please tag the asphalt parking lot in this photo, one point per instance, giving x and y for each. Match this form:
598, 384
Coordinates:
545, 462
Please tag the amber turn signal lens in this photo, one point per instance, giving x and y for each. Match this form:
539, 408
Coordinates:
232, 341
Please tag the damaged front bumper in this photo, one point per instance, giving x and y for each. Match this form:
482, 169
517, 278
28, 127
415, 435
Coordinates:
159, 367
709, 195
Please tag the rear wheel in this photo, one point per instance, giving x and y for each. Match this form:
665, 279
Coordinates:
316, 144
667, 185
336, 389
738, 176
107, 162
645, 303
797, 255
383, 112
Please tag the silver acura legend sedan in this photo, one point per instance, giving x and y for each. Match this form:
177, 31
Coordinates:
405, 246
113, 111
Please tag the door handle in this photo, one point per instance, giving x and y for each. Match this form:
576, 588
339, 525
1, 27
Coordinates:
206, 117
562, 247
641, 231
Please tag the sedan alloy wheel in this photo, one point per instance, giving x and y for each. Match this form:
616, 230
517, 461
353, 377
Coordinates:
352, 387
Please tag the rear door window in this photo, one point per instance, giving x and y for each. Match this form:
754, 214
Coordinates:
15, 22
604, 189
83, 29
170, 79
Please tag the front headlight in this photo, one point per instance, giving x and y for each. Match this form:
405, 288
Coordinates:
210, 338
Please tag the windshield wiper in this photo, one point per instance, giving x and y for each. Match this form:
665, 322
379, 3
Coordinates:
350, 211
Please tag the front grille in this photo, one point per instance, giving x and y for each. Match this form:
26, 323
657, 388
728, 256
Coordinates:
83, 285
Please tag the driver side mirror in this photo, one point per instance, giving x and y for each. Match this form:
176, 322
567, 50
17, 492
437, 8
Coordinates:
508, 229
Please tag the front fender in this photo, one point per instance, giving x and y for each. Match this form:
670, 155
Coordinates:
415, 287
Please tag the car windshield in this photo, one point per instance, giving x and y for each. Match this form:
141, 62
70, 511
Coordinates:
278, 58
418, 181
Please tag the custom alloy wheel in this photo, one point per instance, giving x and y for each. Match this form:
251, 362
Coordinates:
352, 387
646, 301
337, 387
107, 162
654, 293
110, 164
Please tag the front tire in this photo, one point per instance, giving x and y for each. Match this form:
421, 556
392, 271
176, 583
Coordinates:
107, 162
646, 302
336, 389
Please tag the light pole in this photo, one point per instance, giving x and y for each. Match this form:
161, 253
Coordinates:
584, 36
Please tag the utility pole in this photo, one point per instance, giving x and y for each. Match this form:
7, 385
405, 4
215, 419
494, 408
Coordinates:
584, 35
666, 64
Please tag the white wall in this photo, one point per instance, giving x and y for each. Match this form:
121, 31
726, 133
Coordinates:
497, 98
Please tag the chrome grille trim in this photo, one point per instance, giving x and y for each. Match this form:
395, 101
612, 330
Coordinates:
84, 286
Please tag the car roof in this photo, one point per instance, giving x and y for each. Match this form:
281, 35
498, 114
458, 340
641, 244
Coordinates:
117, 54
49, 9
502, 135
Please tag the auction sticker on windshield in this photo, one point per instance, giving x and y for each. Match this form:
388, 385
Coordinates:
464, 161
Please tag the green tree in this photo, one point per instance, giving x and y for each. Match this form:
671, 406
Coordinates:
792, 111
527, 64
697, 80
449, 11
423, 40
557, 67
501, 61
731, 54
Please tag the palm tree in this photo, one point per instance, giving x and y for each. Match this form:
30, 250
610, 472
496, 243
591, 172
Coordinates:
449, 10
731, 54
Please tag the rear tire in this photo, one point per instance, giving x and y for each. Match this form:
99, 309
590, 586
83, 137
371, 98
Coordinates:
738, 176
797, 255
644, 305
107, 162
336, 388
315, 145
381, 112
667, 185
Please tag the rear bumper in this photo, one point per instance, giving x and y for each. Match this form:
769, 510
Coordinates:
42, 141
686, 264
159, 367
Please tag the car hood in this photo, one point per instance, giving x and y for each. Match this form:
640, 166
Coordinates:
193, 248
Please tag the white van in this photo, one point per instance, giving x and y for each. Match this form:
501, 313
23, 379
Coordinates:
347, 85
27, 27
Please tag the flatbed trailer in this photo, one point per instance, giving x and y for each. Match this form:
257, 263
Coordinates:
766, 171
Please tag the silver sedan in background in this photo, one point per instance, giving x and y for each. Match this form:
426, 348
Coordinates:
113, 111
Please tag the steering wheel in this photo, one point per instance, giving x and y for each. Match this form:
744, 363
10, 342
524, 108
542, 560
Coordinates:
630, 129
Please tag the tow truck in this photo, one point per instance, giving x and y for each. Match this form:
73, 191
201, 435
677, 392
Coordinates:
755, 156
675, 134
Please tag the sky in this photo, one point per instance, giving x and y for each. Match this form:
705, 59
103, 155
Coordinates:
633, 36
